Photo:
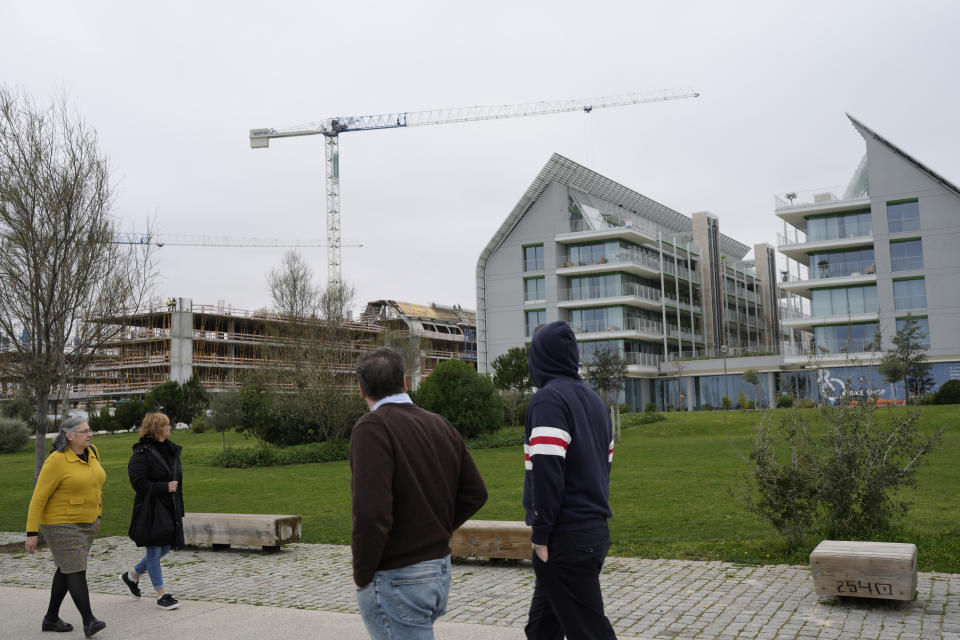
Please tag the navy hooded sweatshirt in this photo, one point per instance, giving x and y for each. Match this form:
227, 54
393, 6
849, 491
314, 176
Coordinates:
568, 445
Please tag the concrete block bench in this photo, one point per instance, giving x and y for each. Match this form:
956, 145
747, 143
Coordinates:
242, 529
491, 539
865, 569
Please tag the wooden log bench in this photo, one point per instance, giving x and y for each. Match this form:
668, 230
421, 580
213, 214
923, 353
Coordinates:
242, 529
491, 539
865, 569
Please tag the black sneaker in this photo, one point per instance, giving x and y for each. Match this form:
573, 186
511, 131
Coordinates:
167, 601
132, 587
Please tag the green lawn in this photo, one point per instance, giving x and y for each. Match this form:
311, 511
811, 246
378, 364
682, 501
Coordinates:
671, 491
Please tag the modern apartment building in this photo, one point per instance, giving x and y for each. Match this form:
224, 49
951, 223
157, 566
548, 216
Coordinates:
626, 272
866, 255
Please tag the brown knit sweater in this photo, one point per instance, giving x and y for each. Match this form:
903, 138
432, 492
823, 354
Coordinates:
413, 482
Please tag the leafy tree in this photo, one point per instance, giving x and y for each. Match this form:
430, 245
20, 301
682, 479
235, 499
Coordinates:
129, 413
58, 263
166, 398
195, 399
468, 400
511, 374
257, 403
907, 361
949, 392
226, 413
607, 371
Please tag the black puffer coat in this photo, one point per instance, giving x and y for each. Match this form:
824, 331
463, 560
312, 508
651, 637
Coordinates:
151, 468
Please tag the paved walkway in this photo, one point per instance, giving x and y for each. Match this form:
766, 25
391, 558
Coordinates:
662, 599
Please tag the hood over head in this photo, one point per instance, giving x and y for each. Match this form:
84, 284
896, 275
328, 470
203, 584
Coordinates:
553, 354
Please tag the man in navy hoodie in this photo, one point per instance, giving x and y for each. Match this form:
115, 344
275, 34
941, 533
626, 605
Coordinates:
568, 450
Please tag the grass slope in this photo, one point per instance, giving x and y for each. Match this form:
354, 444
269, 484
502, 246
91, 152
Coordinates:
671, 491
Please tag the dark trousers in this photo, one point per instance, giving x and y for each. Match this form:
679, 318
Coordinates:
567, 599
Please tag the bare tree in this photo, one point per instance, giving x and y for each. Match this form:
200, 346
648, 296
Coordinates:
313, 356
66, 284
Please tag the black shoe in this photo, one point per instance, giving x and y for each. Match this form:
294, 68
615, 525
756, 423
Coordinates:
95, 626
167, 601
59, 625
131, 586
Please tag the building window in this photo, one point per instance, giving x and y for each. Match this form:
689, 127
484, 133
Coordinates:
535, 319
533, 258
845, 301
838, 264
923, 324
837, 227
906, 255
903, 216
534, 289
909, 294
847, 338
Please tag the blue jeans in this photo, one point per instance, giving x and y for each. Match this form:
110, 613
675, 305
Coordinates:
151, 564
403, 604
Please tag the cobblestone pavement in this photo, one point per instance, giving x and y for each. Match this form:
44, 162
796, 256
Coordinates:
663, 599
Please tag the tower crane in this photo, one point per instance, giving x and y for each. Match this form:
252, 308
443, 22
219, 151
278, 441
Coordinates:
331, 128
181, 240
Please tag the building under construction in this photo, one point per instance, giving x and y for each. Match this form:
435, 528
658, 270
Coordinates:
173, 340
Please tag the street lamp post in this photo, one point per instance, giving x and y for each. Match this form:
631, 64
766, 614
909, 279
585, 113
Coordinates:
726, 384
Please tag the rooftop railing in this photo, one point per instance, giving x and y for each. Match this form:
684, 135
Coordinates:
810, 197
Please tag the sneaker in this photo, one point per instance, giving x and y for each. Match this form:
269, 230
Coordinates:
167, 601
132, 587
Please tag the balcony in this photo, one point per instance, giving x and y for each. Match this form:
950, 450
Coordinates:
631, 326
638, 262
634, 294
793, 207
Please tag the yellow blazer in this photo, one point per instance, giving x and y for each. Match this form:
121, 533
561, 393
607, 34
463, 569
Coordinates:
68, 490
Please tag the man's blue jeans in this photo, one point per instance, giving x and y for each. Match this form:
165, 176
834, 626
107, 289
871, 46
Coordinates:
151, 564
403, 604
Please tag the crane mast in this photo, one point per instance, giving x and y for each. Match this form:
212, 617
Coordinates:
331, 128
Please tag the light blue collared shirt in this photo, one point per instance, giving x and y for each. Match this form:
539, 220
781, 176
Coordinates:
399, 398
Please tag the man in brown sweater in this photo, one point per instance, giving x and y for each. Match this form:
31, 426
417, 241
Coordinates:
412, 482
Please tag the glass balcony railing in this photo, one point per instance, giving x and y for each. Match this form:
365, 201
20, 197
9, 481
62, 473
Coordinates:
859, 345
906, 263
842, 269
603, 290
640, 258
631, 324
904, 224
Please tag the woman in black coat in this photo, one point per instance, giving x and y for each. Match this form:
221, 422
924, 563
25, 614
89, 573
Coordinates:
157, 522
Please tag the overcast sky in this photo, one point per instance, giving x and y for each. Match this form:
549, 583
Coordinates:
173, 91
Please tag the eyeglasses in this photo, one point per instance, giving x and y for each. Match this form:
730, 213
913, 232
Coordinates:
84, 432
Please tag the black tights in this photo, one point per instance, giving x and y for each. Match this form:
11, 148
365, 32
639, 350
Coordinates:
76, 584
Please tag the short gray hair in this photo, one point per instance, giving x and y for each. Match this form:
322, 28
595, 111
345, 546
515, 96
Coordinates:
69, 425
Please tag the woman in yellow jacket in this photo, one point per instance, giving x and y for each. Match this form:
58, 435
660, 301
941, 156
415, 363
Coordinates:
66, 508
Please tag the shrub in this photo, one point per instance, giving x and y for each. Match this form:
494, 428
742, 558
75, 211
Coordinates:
199, 424
636, 419
14, 434
506, 437
468, 400
329, 451
849, 478
929, 398
742, 402
23, 408
784, 487
806, 403
725, 403
650, 407
706, 407
625, 408
785, 402
949, 392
